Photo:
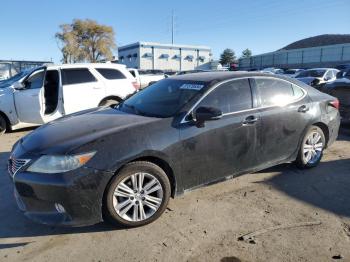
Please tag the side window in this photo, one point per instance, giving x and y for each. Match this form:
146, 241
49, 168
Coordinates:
35, 80
298, 92
274, 92
329, 75
111, 74
77, 76
230, 97
132, 72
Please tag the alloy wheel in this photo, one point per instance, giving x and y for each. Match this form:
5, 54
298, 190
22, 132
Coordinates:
313, 147
138, 197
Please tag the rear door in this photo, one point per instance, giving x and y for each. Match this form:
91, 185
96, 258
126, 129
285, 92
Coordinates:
225, 146
285, 114
116, 82
29, 101
81, 89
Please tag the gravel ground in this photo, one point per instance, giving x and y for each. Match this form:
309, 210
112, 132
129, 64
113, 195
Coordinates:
293, 215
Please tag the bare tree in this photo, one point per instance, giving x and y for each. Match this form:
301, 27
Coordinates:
85, 40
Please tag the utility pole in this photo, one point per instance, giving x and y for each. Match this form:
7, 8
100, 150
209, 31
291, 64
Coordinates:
172, 27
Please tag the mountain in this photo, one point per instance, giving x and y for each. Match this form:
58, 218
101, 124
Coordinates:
320, 40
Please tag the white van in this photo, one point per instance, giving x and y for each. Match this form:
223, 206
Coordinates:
47, 93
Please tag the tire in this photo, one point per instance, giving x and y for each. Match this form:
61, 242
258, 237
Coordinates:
131, 203
108, 102
3, 125
311, 148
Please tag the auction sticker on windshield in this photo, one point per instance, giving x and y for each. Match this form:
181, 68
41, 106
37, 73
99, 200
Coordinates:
192, 87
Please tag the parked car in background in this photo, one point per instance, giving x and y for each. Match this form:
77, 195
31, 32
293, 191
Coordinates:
46, 93
292, 72
317, 77
191, 71
343, 67
272, 70
340, 88
122, 164
145, 78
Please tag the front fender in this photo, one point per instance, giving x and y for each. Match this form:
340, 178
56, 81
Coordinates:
7, 105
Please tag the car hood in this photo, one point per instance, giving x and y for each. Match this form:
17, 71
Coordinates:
69, 132
307, 80
5, 91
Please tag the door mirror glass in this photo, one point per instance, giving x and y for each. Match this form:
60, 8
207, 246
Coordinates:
204, 114
18, 85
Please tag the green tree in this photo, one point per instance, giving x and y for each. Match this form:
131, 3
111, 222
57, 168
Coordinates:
85, 41
246, 53
227, 57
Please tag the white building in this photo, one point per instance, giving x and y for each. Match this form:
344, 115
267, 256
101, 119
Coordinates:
147, 55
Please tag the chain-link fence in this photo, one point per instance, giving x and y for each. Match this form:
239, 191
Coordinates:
325, 56
9, 68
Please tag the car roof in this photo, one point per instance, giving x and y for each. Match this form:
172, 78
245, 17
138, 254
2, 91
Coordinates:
93, 65
321, 68
219, 76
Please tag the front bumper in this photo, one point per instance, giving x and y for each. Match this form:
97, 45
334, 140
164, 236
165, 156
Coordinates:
80, 193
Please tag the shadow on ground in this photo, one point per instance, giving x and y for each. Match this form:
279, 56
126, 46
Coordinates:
326, 186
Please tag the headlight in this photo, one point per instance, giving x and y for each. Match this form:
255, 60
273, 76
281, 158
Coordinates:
58, 164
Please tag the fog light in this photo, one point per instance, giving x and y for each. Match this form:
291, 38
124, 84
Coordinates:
59, 208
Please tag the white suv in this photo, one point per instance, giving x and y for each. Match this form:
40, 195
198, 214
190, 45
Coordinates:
47, 93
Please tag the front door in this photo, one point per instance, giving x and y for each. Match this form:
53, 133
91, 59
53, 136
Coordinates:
29, 101
225, 146
284, 115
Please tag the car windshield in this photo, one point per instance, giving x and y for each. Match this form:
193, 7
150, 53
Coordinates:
312, 73
163, 99
13, 79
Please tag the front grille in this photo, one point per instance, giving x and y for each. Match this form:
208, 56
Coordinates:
14, 165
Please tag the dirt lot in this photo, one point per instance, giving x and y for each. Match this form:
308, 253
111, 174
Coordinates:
296, 216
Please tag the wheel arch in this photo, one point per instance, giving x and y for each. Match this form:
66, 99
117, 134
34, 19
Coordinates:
7, 120
163, 164
117, 98
324, 129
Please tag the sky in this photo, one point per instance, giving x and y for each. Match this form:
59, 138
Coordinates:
28, 27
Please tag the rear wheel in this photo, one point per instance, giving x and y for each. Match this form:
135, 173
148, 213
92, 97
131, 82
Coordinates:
3, 125
311, 149
138, 195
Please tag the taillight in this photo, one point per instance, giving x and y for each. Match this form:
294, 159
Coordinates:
334, 103
136, 85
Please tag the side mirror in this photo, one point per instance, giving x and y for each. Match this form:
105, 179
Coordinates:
18, 85
204, 114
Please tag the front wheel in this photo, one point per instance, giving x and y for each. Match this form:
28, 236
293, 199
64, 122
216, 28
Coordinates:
311, 149
3, 125
137, 195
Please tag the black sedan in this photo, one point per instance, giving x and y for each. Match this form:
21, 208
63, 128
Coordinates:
122, 164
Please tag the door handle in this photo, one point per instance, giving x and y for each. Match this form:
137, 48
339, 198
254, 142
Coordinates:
96, 87
303, 109
34, 95
250, 120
